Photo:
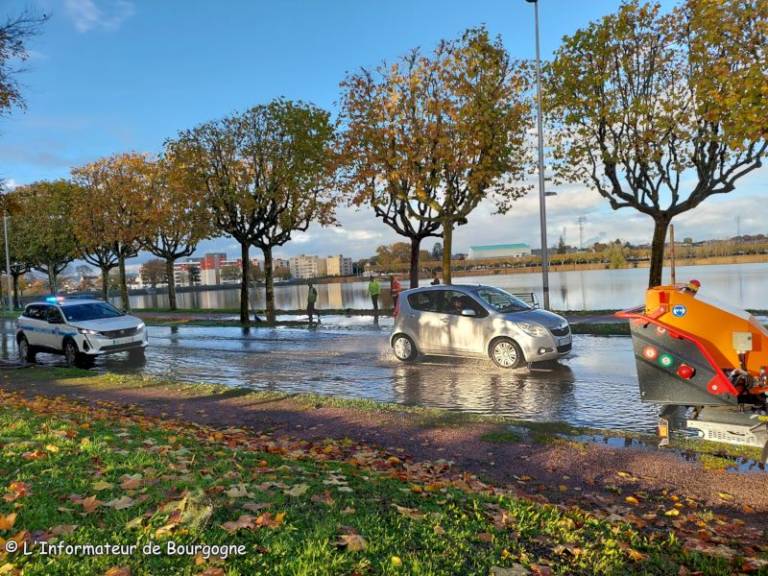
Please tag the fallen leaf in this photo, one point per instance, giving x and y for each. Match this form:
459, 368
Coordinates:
118, 571
244, 521
514, 570
121, 503
296, 491
90, 504
238, 491
63, 529
131, 482
632, 500
396, 561
353, 542
102, 485
409, 512
6, 522
255, 506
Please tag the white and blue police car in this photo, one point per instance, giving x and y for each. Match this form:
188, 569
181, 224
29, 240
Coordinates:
79, 329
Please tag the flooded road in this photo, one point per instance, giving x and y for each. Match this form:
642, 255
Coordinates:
595, 386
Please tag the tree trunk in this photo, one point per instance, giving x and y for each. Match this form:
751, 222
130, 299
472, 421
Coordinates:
447, 249
270, 285
657, 250
16, 303
123, 283
171, 281
105, 283
244, 283
415, 247
52, 279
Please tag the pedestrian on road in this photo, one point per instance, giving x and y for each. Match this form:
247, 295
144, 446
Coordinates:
395, 288
374, 289
435, 280
311, 299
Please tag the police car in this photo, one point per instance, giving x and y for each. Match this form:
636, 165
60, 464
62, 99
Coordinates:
79, 329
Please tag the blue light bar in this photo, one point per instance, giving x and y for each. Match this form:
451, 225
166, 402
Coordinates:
54, 299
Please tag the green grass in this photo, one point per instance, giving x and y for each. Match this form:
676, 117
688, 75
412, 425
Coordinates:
184, 484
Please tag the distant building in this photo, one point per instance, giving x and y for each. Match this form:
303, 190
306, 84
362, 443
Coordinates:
338, 266
499, 251
303, 266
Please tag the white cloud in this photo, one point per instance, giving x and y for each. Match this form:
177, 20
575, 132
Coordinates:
107, 14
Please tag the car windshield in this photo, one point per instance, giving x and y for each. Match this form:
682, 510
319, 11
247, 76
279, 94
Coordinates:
501, 301
90, 311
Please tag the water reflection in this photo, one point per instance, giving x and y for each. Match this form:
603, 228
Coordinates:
569, 290
346, 357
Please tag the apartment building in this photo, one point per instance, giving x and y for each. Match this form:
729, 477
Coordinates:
338, 266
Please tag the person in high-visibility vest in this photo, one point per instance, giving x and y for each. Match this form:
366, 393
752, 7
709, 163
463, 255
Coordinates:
395, 288
374, 289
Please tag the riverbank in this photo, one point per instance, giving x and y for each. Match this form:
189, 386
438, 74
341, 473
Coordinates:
328, 485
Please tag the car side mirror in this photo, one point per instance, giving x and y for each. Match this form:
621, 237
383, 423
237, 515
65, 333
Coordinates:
468, 312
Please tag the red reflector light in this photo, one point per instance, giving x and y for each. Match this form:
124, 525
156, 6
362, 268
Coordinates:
650, 352
686, 372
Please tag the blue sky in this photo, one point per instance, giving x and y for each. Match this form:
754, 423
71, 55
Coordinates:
108, 76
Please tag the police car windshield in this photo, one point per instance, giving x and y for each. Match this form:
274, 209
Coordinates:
502, 301
90, 311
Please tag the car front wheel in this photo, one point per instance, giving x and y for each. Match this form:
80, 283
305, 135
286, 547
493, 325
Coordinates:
26, 353
71, 353
506, 353
404, 348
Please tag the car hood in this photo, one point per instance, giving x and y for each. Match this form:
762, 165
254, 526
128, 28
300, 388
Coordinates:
547, 319
108, 324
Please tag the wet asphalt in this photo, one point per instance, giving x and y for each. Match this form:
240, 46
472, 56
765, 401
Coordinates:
349, 357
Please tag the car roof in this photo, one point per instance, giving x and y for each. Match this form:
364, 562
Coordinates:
460, 287
67, 302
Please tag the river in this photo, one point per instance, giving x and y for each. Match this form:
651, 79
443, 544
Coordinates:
740, 284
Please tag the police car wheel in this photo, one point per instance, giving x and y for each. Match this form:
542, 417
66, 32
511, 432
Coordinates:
26, 353
71, 354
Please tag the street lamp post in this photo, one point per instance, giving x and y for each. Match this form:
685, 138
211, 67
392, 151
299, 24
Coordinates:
7, 261
542, 193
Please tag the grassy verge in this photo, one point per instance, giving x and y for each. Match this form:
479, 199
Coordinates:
84, 476
500, 429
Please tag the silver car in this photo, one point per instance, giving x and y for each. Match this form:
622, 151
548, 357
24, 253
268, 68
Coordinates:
457, 320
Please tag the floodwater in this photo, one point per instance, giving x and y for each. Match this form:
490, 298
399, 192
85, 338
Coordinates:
741, 284
596, 386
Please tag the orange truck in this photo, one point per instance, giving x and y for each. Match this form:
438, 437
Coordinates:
704, 357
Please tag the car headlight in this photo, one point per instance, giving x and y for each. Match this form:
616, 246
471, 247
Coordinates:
88, 331
140, 327
532, 329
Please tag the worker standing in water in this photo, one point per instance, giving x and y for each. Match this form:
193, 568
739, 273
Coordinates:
374, 289
311, 300
395, 288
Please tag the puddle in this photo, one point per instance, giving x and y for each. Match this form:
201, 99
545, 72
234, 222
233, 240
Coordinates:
740, 464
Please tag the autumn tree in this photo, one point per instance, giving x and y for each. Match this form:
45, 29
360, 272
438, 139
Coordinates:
14, 35
93, 232
431, 136
154, 272
115, 189
178, 218
659, 111
268, 173
43, 227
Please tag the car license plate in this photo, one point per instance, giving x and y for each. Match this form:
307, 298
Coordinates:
121, 341
564, 341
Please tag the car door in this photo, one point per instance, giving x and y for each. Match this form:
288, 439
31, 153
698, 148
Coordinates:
34, 325
429, 322
466, 333
55, 325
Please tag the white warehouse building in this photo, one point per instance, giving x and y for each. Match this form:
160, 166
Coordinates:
499, 251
